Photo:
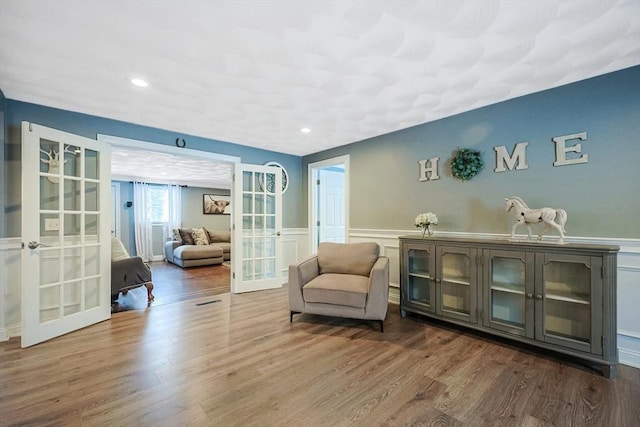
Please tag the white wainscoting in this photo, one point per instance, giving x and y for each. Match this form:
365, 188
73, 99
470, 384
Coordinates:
628, 278
295, 247
10, 289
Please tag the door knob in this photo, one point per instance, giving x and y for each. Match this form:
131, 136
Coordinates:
34, 245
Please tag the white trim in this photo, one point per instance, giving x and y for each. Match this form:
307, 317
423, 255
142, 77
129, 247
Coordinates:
629, 357
295, 231
313, 196
116, 210
7, 243
168, 149
630, 334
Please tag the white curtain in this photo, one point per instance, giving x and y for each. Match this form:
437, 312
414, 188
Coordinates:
175, 209
142, 220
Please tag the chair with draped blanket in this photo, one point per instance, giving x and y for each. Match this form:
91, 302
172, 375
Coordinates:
128, 272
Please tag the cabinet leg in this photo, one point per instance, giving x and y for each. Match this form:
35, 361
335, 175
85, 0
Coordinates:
403, 313
609, 371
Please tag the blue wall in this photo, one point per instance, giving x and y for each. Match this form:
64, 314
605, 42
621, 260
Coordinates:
89, 126
602, 197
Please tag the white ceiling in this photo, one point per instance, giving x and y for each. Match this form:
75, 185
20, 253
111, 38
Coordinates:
255, 72
164, 168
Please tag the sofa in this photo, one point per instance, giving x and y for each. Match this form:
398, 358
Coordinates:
193, 247
344, 279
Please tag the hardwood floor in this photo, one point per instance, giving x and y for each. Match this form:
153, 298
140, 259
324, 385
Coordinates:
172, 284
240, 362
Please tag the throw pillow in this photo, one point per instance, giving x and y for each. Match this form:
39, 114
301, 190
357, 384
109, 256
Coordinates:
185, 236
200, 236
176, 236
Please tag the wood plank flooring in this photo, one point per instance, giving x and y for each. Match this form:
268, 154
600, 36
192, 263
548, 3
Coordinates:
240, 362
173, 284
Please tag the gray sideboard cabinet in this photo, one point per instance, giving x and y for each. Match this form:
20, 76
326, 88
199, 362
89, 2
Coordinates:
557, 297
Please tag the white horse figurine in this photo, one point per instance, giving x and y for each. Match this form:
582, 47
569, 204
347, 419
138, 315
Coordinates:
527, 216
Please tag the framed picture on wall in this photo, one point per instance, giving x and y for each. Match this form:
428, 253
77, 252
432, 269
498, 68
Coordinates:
212, 204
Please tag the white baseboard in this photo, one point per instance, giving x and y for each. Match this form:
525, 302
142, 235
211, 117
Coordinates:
629, 357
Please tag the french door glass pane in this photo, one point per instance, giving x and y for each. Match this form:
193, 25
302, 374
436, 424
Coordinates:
72, 262
49, 266
92, 261
72, 298
49, 303
91, 197
91, 227
91, 293
72, 161
72, 199
91, 164
49, 195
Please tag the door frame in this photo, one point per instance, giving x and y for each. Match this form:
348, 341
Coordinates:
312, 173
115, 208
168, 149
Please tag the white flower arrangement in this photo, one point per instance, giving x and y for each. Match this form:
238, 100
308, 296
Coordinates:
425, 221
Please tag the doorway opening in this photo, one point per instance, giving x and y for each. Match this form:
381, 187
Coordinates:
328, 201
197, 172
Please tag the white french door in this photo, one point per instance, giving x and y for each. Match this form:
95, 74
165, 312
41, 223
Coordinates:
66, 233
257, 213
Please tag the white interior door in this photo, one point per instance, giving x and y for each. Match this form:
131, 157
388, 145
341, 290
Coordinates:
65, 229
257, 214
331, 205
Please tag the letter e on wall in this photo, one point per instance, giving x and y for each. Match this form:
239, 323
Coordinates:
562, 149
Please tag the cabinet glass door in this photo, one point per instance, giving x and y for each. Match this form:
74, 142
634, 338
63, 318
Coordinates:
420, 277
565, 297
509, 278
457, 283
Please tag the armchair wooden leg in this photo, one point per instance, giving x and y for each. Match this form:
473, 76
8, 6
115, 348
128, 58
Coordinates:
291, 315
149, 287
381, 323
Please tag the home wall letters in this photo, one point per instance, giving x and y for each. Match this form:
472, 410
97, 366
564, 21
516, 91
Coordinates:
428, 169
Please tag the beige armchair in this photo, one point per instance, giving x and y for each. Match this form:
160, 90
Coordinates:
344, 279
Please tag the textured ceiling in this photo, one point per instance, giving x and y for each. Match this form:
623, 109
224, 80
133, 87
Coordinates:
255, 72
162, 168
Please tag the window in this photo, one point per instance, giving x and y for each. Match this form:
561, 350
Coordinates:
159, 203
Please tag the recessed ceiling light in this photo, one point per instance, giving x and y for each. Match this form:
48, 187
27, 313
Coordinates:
305, 130
139, 82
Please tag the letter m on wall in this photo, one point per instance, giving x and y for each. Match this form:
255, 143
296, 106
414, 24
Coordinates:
505, 162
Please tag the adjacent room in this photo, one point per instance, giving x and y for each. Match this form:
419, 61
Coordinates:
320, 213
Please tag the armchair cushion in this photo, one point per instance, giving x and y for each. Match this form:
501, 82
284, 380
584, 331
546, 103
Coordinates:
352, 258
338, 289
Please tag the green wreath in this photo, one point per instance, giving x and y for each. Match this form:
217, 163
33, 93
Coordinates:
466, 164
